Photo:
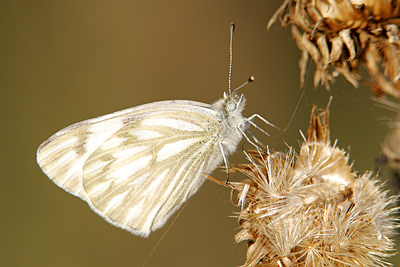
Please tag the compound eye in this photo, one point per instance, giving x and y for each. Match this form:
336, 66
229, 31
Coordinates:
231, 105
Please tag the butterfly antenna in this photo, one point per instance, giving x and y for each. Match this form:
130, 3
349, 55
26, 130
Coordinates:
251, 79
230, 57
230, 64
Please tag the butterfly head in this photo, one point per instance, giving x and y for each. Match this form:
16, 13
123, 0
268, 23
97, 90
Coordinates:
233, 103
230, 106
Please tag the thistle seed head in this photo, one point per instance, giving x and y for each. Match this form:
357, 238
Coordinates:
311, 209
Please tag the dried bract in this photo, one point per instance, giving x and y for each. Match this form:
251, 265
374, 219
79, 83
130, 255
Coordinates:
311, 209
341, 35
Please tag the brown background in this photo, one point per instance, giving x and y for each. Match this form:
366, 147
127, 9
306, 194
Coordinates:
66, 61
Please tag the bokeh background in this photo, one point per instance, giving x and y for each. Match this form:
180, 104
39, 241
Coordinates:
66, 61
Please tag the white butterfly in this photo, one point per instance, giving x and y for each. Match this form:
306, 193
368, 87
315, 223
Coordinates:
136, 167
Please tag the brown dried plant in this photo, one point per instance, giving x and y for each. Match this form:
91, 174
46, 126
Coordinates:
311, 209
342, 35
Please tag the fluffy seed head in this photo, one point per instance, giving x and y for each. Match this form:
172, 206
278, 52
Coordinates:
311, 209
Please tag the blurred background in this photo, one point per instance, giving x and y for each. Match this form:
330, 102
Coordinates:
67, 61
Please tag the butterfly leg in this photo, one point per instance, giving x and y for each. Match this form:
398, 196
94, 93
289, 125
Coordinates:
259, 128
226, 162
250, 120
255, 138
249, 140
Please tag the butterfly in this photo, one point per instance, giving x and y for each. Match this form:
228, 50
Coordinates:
137, 166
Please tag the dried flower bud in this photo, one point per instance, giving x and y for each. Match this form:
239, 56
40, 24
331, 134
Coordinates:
341, 35
311, 209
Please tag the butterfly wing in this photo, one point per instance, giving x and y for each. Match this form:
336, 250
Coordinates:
137, 166
63, 155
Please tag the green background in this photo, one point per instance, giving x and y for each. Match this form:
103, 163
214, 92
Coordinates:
65, 61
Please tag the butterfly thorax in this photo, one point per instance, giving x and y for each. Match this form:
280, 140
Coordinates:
229, 111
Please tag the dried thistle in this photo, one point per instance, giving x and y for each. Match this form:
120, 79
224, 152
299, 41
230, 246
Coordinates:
341, 35
311, 209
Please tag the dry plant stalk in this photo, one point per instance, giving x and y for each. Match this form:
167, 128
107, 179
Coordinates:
391, 143
311, 209
341, 35
391, 146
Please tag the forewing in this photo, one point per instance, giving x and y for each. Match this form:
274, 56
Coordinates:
147, 169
